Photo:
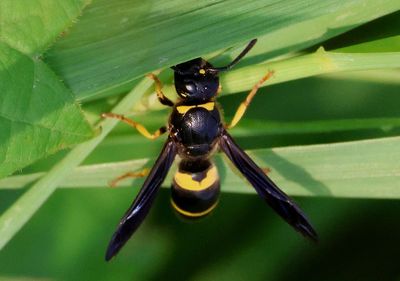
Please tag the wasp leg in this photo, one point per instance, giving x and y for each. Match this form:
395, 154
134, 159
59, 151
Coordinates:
243, 106
141, 129
160, 95
140, 174
266, 170
219, 90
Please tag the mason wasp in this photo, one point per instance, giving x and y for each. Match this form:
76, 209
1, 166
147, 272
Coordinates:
195, 132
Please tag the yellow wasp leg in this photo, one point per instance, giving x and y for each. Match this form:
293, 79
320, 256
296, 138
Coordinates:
160, 95
266, 170
219, 90
243, 106
139, 174
141, 129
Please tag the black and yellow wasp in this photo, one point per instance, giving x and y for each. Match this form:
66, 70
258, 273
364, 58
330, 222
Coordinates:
195, 131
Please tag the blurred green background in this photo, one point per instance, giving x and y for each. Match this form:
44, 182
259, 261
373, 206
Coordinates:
243, 239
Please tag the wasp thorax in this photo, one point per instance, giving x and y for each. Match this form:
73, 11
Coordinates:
194, 83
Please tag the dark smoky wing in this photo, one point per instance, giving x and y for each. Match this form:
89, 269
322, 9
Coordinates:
265, 188
141, 205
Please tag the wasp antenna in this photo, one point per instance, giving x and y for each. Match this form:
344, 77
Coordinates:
176, 70
236, 60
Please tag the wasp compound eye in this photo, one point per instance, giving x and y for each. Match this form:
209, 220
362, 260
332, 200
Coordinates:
190, 87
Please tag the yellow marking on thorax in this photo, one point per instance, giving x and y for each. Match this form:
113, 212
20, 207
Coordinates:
190, 214
182, 109
185, 181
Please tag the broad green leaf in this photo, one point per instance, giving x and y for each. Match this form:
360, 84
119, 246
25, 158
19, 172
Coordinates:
31, 26
38, 115
21, 211
106, 51
359, 169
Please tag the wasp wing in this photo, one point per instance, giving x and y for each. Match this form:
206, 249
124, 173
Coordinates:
141, 205
266, 188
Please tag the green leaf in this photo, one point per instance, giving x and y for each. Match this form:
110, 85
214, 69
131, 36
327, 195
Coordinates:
31, 26
388, 44
375, 31
384, 76
359, 169
105, 52
321, 62
38, 115
23, 209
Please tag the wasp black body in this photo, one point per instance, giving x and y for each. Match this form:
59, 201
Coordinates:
195, 131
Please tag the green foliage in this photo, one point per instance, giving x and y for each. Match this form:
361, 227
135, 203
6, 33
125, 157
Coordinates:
337, 132
32, 26
106, 51
38, 115
17, 215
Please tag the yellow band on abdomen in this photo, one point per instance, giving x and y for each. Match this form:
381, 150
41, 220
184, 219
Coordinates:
186, 181
190, 214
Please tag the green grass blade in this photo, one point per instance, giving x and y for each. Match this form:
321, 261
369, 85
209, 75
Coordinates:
359, 169
388, 44
318, 63
387, 76
249, 128
141, 36
380, 35
20, 212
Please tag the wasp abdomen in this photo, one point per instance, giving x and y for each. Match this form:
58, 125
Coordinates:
195, 188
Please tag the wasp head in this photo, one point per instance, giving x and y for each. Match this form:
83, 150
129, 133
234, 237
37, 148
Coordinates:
195, 81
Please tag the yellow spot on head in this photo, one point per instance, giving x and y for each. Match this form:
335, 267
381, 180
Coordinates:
202, 71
